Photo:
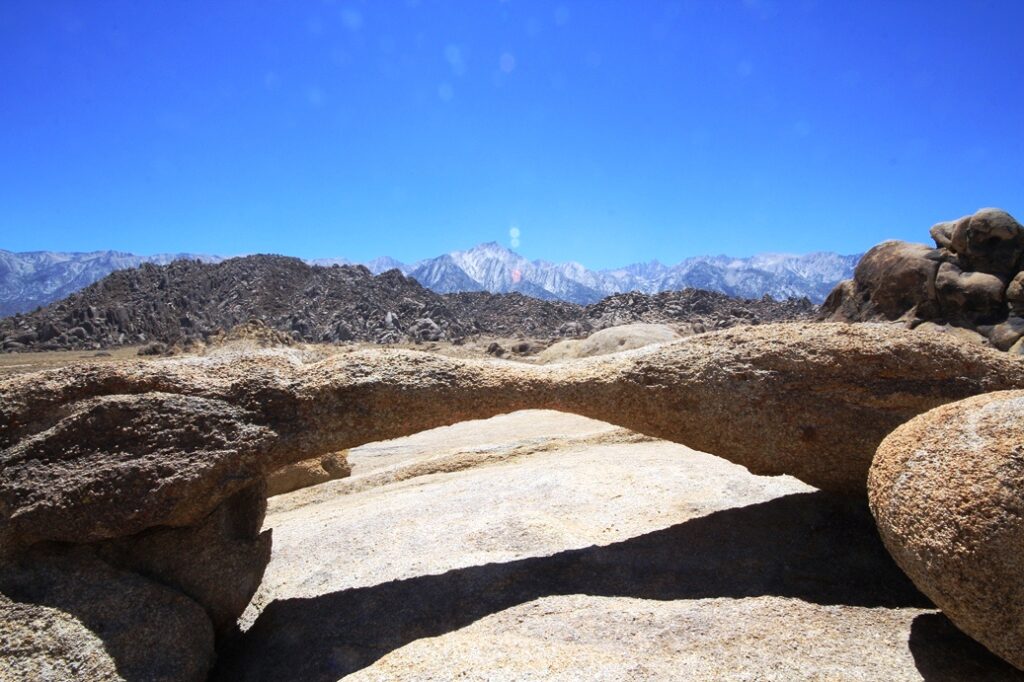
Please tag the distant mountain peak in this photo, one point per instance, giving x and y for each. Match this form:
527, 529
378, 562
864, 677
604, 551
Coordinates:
32, 279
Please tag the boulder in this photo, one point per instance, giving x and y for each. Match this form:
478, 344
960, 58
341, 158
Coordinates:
989, 241
610, 340
425, 329
1003, 336
898, 279
1015, 293
962, 333
114, 465
218, 562
69, 616
942, 233
947, 492
976, 297
313, 471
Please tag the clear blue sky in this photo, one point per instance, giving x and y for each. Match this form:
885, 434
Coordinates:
607, 132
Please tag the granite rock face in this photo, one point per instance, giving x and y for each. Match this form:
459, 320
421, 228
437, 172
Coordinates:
947, 491
69, 616
159, 466
972, 280
99, 452
313, 471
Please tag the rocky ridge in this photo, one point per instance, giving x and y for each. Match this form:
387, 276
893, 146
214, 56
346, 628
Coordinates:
188, 301
32, 279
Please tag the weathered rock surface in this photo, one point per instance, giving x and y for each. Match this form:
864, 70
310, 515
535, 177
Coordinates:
309, 472
559, 549
105, 451
159, 465
218, 562
898, 278
947, 490
972, 280
989, 241
610, 340
67, 616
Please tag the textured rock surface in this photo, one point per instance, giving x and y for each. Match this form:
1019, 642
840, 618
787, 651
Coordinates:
539, 545
972, 279
309, 472
218, 562
68, 616
947, 490
104, 451
611, 340
898, 278
160, 464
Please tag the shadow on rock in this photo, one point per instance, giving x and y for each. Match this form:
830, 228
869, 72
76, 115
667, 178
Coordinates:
944, 654
805, 546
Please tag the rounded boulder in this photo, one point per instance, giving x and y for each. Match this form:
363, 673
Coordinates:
947, 492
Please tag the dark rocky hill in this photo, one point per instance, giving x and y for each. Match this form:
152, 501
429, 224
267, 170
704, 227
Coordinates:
191, 300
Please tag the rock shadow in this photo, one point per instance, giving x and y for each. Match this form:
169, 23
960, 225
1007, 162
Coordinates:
806, 546
944, 654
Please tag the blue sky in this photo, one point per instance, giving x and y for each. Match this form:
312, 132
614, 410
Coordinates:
605, 132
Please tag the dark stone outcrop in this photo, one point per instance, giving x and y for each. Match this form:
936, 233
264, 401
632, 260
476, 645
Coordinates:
972, 280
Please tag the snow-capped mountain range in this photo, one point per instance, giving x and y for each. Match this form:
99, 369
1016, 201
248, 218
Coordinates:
492, 267
32, 279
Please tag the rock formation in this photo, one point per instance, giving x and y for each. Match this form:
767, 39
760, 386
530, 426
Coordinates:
972, 280
613, 340
947, 491
69, 616
159, 466
291, 477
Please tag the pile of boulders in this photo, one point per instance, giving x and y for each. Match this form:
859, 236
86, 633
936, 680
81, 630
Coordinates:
133, 494
971, 284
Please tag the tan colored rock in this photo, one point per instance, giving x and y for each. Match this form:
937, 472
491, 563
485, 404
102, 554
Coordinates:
218, 563
973, 296
179, 436
942, 233
113, 465
67, 616
989, 241
148, 460
971, 280
947, 492
610, 340
962, 333
898, 279
583, 558
1015, 293
843, 303
309, 472
1006, 334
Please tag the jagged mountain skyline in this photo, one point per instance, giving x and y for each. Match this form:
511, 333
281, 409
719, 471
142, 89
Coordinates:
35, 278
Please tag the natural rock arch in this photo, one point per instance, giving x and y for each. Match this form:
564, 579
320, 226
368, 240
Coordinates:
170, 440
152, 461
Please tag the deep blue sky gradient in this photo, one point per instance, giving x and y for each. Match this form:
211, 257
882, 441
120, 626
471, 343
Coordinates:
607, 132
